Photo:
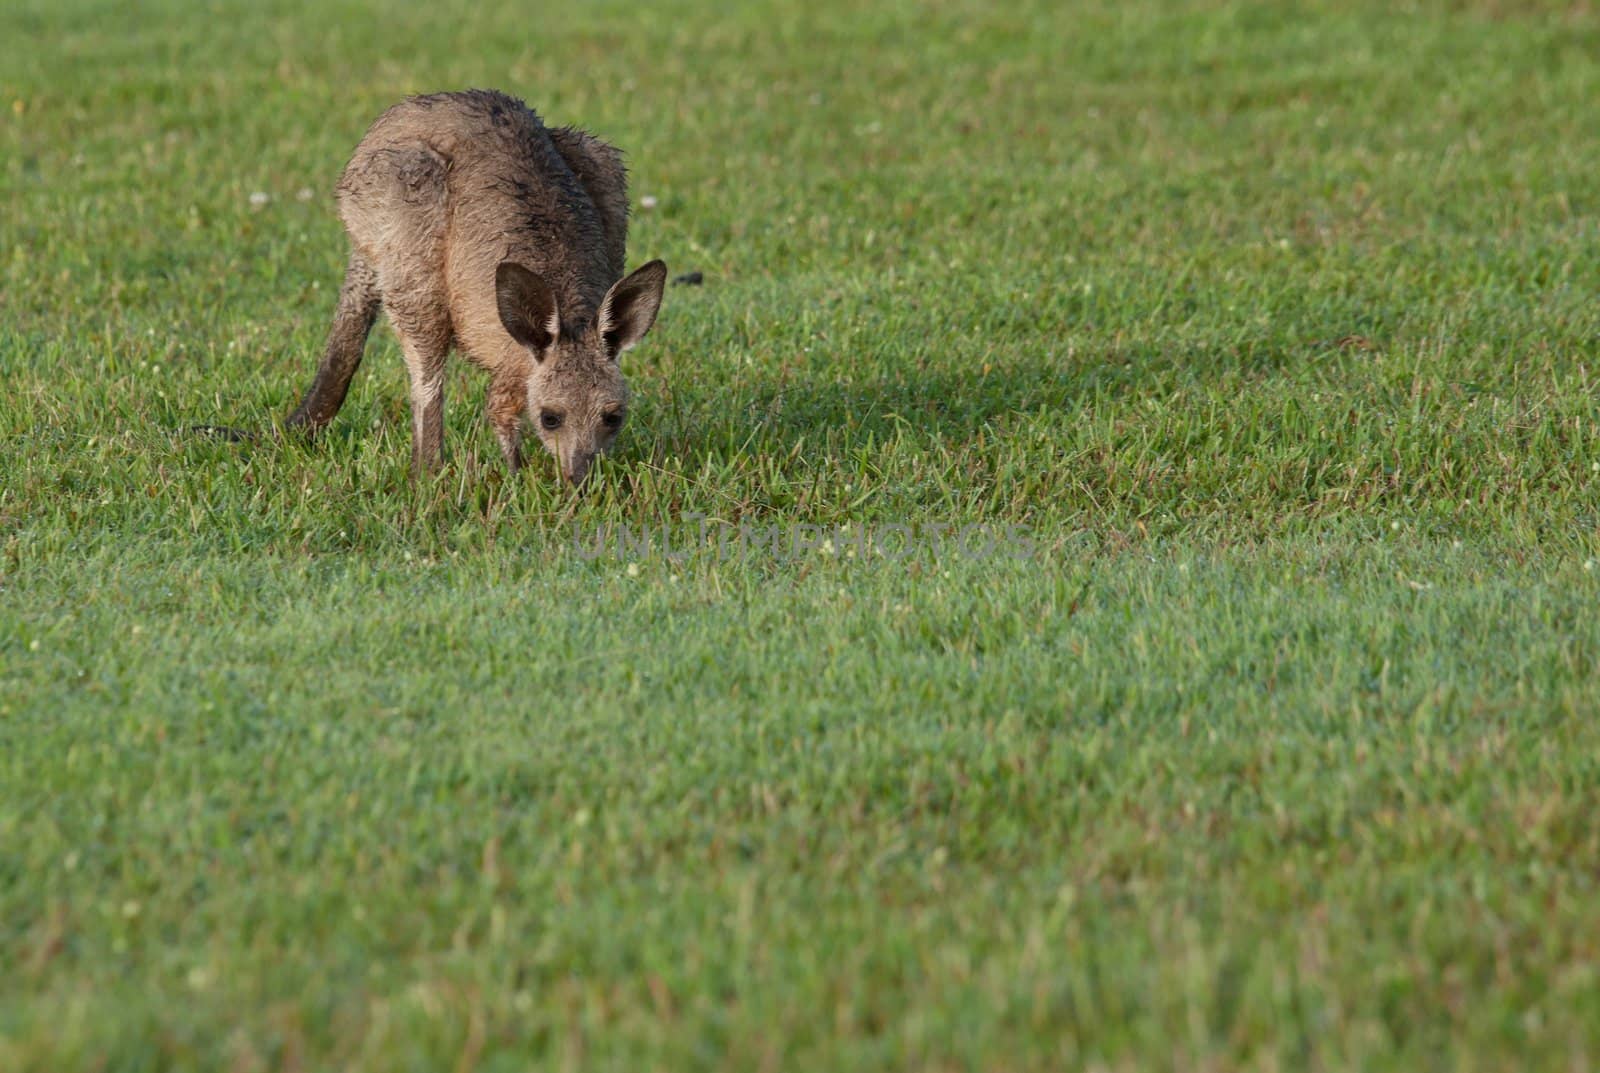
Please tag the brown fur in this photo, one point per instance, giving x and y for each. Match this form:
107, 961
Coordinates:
474, 226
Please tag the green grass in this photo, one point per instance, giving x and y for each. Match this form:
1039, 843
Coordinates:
1274, 327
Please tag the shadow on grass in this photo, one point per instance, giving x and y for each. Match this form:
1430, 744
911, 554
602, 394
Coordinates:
950, 406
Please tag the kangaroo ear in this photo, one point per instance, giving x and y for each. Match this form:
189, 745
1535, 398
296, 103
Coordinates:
527, 306
630, 307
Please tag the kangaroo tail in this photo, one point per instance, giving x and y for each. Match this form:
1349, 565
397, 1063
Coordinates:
359, 302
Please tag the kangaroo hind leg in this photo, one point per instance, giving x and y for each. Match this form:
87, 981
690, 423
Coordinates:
423, 325
358, 306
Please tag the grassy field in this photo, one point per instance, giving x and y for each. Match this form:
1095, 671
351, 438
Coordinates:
1272, 329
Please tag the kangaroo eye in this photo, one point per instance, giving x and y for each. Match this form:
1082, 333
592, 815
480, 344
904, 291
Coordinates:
612, 420
549, 420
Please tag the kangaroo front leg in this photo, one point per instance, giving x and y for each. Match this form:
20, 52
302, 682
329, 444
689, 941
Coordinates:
508, 396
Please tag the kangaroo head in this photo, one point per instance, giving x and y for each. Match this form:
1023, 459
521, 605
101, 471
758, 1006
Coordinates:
577, 399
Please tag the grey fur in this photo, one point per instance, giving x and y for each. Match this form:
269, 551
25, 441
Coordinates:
466, 216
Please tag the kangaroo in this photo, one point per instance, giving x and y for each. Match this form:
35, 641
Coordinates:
474, 226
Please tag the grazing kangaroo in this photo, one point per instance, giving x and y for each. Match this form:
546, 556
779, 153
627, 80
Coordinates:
473, 225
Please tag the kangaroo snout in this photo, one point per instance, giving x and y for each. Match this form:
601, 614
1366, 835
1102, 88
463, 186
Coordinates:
576, 468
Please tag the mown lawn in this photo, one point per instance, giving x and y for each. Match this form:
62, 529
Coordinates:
1269, 332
